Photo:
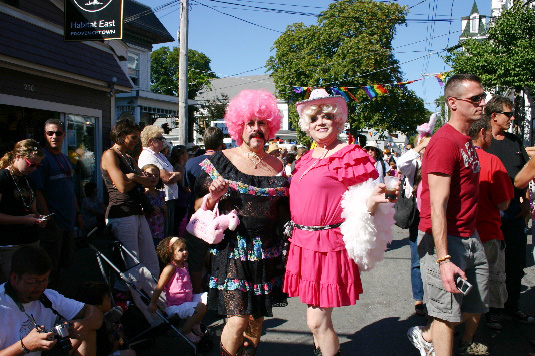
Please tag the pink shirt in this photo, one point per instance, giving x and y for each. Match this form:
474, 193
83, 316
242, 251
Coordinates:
178, 289
315, 196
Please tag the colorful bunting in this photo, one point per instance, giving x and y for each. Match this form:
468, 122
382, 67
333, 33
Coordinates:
440, 77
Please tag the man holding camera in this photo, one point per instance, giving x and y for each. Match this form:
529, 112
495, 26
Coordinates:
34, 319
452, 256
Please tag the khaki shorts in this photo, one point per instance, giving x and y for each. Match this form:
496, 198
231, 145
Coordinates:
495, 251
469, 255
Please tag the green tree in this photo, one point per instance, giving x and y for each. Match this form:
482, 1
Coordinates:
213, 110
350, 46
164, 71
506, 58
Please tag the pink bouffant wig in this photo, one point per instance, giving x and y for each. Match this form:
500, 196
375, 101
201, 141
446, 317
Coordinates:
249, 104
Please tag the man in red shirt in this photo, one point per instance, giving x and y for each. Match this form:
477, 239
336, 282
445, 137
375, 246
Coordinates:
448, 244
495, 193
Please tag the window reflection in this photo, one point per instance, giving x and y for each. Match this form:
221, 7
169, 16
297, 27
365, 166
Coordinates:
81, 143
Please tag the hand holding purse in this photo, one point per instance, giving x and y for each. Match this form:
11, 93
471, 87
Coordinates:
209, 226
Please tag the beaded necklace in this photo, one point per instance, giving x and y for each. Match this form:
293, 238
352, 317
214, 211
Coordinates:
65, 170
318, 159
256, 159
126, 160
27, 205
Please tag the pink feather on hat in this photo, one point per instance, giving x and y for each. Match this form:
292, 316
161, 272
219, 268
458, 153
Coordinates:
428, 127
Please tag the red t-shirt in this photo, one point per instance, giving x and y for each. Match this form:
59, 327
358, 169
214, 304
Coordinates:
452, 153
494, 187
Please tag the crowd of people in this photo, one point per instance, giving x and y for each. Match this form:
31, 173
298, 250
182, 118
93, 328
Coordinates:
308, 221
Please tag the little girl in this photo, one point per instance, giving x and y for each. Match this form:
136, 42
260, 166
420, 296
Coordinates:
176, 281
157, 199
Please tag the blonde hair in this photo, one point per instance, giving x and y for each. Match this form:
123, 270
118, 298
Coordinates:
26, 148
313, 110
150, 132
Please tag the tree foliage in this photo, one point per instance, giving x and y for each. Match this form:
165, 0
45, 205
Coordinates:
164, 71
507, 57
213, 110
351, 45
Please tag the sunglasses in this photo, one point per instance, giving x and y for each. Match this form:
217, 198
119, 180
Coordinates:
52, 133
150, 175
476, 99
31, 164
509, 114
159, 138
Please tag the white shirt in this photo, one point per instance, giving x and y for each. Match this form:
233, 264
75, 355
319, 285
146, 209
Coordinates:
148, 156
15, 325
408, 164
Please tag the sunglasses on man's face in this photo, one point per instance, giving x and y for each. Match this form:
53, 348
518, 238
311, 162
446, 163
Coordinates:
31, 164
52, 133
509, 114
476, 99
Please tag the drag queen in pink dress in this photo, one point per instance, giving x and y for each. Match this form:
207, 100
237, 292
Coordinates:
339, 222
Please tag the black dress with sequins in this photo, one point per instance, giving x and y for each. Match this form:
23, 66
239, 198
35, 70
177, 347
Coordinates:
247, 267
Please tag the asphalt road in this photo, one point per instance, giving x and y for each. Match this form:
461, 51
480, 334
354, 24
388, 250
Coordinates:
376, 325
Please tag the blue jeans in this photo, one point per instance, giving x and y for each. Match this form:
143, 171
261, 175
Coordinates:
416, 277
515, 254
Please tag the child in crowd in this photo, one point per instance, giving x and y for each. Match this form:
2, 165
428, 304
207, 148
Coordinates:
289, 167
157, 199
92, 208
176, 282
110, 335
393, 168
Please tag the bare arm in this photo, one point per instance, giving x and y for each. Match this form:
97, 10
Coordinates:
526, 174
34, 341
164, 278
88, 319
169, 177
110, 163
503, 205
439, 189
216, 190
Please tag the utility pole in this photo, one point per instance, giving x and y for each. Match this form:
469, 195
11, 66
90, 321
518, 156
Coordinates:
183, 75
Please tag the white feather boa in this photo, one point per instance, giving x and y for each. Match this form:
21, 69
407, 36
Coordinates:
365, 236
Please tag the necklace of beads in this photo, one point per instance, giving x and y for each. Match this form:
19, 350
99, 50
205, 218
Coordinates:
27, 205
256, 159
125, 159
323, 155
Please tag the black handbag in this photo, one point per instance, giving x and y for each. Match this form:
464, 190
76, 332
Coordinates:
406, 209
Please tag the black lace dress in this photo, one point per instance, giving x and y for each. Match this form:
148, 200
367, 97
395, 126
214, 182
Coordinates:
247, 267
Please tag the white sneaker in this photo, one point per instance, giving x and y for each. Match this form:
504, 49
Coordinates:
415, 337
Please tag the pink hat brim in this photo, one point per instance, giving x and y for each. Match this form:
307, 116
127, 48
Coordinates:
335, 99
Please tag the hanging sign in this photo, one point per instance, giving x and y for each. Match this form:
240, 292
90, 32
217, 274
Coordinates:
93, 20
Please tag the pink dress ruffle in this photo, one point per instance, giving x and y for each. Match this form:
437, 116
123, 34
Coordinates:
319, 270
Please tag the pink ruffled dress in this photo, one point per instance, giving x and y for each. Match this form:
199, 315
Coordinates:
319, 270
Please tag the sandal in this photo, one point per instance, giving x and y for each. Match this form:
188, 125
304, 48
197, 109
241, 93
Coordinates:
420, 309
249, 349
193, 338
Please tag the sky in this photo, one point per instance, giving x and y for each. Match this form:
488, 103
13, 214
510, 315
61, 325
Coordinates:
242, 43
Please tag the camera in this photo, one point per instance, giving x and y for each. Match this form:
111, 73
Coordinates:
463, 285
61, 334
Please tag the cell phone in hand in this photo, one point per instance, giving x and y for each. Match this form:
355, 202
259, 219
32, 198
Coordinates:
463, 285
46, 217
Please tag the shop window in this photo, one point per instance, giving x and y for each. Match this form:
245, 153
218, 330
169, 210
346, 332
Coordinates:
81, 147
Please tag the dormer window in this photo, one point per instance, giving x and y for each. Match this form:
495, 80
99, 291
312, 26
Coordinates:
133, 67
474, 24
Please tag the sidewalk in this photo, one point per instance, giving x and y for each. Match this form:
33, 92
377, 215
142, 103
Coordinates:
375, 326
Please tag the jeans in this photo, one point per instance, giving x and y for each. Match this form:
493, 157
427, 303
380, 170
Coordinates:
515, 254
416, 277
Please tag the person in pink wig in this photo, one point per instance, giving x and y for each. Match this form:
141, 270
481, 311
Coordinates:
247, 265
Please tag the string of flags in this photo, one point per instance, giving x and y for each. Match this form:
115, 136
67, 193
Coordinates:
371, 90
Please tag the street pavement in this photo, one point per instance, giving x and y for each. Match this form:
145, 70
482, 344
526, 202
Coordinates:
377, 324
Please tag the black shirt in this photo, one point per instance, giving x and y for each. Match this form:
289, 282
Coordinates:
11, 203
513, 155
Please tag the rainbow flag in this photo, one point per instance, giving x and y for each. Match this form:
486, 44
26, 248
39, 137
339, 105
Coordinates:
298, 90
374, 90
337, 91
440, 77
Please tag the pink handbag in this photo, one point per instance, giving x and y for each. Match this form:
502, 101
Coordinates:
209, 226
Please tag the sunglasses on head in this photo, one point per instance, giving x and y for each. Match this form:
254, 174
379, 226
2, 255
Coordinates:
476, 99
31, 164
52, 133
509, 114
